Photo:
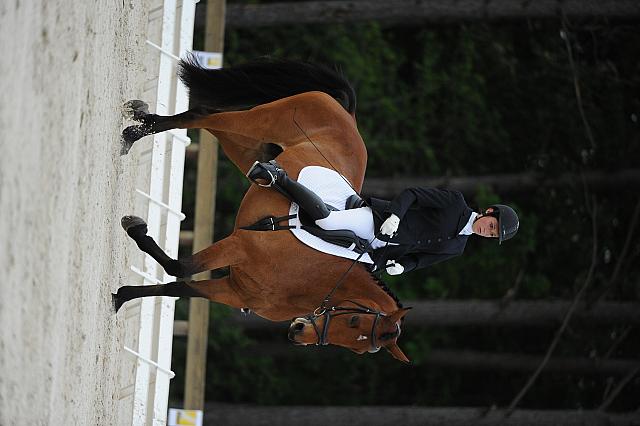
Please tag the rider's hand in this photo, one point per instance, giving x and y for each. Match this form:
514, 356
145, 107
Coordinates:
390, 226
394, 268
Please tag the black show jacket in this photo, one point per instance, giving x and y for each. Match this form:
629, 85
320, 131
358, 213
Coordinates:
430, 222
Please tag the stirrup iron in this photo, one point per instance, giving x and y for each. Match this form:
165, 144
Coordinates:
264, 185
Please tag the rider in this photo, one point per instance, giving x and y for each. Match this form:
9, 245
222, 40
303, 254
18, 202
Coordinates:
423, 225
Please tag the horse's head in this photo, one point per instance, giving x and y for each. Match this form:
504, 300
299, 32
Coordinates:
351, 325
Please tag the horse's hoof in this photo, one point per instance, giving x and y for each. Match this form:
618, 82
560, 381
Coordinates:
130, 221
125, 146
135, 110
134, 225
116, 303
130, 135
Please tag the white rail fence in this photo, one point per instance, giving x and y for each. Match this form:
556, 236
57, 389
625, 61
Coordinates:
149, 321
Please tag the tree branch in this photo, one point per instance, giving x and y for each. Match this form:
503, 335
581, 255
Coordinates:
617, 342
623, 255
619, 388
568, 316
576, 84
401, 12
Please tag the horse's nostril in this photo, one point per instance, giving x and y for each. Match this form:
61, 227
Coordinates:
295, 329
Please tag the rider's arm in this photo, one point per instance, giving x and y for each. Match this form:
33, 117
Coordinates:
422, 197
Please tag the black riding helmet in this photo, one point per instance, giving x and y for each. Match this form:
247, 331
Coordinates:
508, 222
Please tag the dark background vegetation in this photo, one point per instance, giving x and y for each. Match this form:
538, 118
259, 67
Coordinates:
464, 100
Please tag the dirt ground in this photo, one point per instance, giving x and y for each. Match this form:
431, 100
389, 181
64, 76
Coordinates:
65, 69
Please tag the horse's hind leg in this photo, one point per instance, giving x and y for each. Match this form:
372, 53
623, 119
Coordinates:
248, 131
222, 253
219, 290
243, 149
152, 123
134, 110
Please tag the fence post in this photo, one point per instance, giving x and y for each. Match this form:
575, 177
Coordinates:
203, 230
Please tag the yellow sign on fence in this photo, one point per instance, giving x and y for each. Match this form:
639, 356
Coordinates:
211, 60
178, 417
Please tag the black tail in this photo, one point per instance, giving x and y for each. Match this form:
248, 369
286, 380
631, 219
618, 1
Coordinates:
255, 83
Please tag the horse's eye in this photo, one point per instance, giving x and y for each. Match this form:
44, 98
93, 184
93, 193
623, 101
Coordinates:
354, 321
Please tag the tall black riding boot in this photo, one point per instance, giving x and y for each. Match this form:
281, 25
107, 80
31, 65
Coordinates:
271, 174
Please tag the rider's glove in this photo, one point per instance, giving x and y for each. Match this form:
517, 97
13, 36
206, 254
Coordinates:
394, 268
390, 226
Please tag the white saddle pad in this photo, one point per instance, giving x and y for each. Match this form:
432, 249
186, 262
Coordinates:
334, 190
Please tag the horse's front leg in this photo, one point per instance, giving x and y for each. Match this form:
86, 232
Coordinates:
223, 253
219, 290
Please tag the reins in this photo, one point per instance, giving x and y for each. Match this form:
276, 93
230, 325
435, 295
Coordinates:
330, 163
322, 308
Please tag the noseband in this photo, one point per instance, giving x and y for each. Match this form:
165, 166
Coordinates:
335, 311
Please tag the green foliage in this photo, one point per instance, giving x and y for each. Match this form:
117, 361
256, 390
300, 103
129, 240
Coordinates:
250, 372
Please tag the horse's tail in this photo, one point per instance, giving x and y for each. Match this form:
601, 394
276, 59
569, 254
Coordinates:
245, 86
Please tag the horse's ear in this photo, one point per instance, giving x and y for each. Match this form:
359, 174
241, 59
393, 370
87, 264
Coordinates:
397, 353
397, 315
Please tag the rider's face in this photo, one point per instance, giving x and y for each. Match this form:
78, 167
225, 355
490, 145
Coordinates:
486, 226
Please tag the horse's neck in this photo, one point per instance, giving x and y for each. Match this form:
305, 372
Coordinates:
364, 289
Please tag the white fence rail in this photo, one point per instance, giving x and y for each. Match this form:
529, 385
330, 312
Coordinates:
149, 344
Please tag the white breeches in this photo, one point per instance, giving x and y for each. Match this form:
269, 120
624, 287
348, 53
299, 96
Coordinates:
360, 221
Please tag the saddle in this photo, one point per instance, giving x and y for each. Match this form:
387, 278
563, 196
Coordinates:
340, 237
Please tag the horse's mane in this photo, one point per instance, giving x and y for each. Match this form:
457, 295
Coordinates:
383, 286
386, 289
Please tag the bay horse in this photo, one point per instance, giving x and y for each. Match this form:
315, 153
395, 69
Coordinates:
304, 115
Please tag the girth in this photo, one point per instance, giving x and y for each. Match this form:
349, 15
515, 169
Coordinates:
270, 223
341, 237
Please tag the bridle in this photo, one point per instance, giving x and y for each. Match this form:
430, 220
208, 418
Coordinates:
335, 311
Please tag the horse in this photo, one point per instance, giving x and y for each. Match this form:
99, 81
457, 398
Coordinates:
302, 114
